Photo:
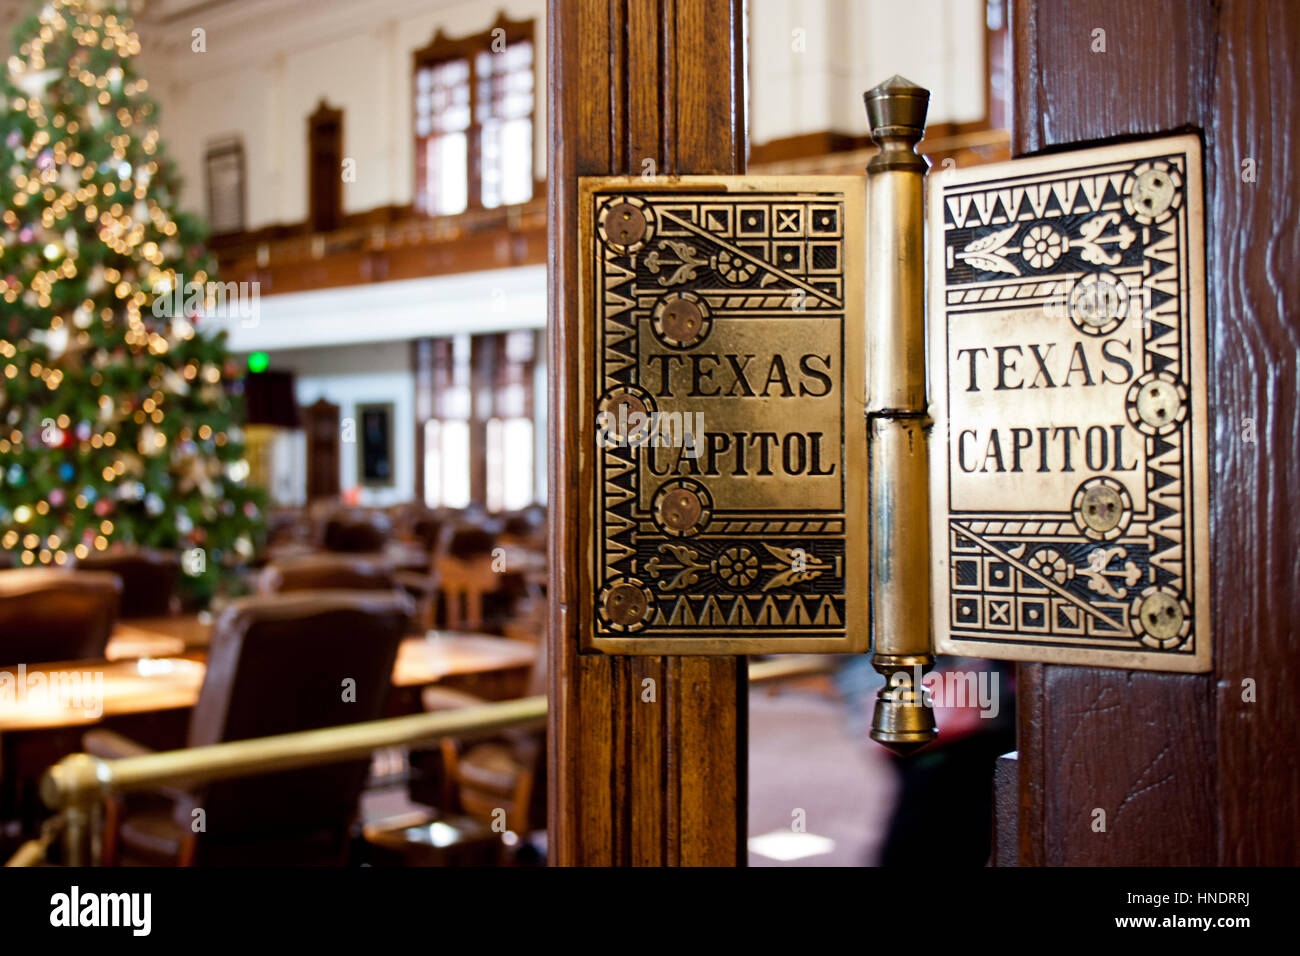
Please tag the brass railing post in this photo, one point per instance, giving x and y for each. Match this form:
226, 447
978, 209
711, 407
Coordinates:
74, 786
897, 415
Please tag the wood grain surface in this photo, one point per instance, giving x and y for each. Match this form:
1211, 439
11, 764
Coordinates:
633, 782
1188, 771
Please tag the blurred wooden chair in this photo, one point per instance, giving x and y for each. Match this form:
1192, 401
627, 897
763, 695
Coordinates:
482, 789
525, 528
470, 587
426, 529
55, 615
149, 579
353, 530
316, 572
277, 664
480, 589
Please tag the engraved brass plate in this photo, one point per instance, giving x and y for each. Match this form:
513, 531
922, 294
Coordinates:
1067, 360
723, 401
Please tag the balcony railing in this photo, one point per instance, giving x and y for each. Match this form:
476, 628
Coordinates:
385, 245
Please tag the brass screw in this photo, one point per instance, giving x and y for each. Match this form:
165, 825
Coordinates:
616, 400
1157, 403
624, 223
1101, 508
680, 509
1161, 616
625, 604
1153, 192
681, 321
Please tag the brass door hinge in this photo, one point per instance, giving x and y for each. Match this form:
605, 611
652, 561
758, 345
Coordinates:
784, 454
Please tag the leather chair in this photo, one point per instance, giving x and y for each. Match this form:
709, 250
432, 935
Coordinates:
277, 664
353, 530
55, 615
316, 572
149, 579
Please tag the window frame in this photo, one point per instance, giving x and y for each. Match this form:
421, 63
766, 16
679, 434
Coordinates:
444, 49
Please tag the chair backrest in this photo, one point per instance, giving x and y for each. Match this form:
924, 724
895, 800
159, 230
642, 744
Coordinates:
284, 663
426, 527
48, 615
149, 579
355, 530
316, 572
466, 541
509, 771
464, 584
526, 528
479, 591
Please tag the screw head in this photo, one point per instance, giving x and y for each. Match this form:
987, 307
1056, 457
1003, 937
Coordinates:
625, 604
1157, 403
1102, 508
1161, 615
624, 223
680, 509
681, 320
1153, 192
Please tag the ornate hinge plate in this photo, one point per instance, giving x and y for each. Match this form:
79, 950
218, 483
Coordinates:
722, 425
1069, 492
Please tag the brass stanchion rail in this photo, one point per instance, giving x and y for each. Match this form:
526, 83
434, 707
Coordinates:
77, 782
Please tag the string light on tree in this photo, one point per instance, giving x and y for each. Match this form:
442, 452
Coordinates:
117, 425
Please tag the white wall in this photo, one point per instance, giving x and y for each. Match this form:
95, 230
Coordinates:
267, 65
379, 372
811, 61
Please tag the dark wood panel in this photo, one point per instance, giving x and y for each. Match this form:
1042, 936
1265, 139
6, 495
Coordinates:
633, 781
1188, 772
1255, 327
1006, 812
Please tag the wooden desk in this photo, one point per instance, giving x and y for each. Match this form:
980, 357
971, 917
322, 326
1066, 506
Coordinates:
402, 555
82, 693
114, 688
158, 636
192, 630
434, 657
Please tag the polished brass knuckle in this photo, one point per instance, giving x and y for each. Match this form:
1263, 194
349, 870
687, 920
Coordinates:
897, 419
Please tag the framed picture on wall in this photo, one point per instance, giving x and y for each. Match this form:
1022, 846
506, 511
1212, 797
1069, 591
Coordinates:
375, 445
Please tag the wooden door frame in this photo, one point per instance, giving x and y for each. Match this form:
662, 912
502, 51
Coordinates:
633, 782
1186, 769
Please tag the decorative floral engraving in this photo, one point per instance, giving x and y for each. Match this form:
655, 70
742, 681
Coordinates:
1091, 240
688, 262
1042, 246
737, 567
1050, 564
1098, 572
688, 566
733, 268
795, 568
983, 252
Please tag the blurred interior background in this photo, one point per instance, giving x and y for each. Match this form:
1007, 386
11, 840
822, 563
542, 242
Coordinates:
372, 176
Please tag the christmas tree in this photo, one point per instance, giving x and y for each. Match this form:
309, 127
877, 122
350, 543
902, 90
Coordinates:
119, 421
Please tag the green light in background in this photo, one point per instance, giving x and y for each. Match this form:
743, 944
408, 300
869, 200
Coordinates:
258, 362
